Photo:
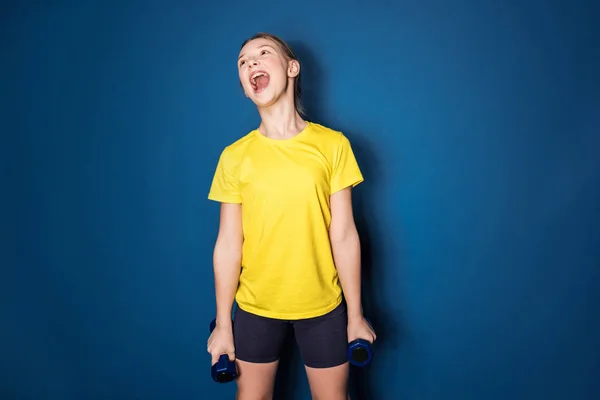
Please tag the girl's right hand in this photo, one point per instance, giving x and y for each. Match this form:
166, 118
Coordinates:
221, 342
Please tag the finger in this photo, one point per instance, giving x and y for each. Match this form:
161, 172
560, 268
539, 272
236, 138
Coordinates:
231, 356
214, 359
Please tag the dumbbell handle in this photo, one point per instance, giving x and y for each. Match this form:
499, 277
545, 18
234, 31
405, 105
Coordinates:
224, 370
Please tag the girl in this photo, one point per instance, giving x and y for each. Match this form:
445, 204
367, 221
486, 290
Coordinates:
287, 248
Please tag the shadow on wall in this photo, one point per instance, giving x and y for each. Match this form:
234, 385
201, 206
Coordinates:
367, 220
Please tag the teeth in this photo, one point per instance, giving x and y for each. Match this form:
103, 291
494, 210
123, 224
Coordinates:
257, 74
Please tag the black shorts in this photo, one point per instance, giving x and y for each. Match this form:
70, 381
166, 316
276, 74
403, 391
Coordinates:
322, 341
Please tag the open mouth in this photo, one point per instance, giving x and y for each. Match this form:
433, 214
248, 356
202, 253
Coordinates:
259, 80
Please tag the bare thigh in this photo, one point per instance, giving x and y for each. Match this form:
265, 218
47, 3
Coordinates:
329, 383
256, 381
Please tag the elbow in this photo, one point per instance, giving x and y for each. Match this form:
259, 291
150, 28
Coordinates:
230, 237
228, 249
229, 242
342, 237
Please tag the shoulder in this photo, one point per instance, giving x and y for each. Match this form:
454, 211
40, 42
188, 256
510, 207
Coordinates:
236, 149
326, 134
329, 137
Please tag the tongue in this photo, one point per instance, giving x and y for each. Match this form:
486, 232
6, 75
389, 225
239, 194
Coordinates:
262, 82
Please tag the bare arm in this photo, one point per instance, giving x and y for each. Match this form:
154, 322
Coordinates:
227, 258
345, 245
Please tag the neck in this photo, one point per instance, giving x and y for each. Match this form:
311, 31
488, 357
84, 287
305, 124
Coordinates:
281, 120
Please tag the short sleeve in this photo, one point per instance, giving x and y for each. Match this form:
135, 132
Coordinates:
225, 186
345, 172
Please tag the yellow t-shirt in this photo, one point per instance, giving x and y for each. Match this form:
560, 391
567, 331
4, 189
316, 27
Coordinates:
288, 271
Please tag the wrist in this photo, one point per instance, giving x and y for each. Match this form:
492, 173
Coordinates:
224, 319
224, 323
355, 315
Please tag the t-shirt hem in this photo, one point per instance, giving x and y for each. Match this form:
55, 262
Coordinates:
351, 183
291, 316
224, 199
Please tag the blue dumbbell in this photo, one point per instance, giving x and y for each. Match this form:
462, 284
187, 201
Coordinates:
360, 352
224, 370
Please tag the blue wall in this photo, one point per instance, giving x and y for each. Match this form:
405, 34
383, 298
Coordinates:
477, 127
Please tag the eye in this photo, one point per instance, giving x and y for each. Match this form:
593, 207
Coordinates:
262, 53
242, 63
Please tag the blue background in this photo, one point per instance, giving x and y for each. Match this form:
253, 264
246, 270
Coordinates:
477, 128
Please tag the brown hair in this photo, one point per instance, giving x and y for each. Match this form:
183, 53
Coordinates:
290, 55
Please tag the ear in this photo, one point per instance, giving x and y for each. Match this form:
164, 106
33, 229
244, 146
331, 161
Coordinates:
293, 68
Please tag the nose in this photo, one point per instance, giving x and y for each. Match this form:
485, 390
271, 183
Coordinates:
253, 62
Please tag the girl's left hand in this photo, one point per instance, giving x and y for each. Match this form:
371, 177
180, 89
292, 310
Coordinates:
360, 329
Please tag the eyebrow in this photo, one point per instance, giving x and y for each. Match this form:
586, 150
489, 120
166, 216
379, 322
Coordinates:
260, 47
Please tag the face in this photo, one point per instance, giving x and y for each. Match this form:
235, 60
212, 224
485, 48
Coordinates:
265, 71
